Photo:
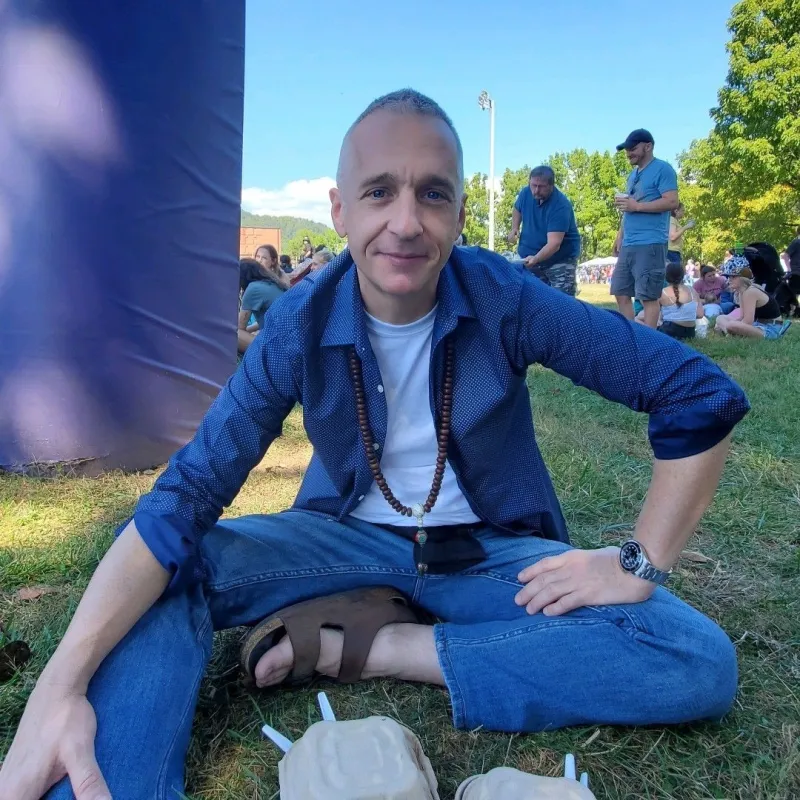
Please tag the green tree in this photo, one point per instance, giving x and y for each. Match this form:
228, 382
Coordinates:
590, 181
294, 246
758, 115
510, 186
742, 182
290, 226
476, 227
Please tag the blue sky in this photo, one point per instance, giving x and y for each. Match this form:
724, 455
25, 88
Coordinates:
564, 74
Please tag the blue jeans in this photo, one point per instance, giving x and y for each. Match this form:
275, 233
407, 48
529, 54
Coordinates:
655, 662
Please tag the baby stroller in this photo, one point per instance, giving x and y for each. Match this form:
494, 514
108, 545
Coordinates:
767, 272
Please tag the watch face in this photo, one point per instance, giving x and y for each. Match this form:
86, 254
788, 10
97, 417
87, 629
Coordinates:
630, 556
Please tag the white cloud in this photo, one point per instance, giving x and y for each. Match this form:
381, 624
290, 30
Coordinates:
303, 198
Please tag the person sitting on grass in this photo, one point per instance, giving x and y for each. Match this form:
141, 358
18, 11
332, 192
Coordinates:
267, 256
680, 305
710, 287
410, 358
318, 261
760, 314
259, 290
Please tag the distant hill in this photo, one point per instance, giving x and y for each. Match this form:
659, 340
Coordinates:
289, 226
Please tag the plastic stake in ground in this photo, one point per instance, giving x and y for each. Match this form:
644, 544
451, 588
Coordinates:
277, 738
325, 707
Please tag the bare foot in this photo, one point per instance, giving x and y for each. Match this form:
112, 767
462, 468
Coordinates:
401, 650
276, 664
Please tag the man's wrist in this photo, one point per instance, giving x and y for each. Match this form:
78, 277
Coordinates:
637, 560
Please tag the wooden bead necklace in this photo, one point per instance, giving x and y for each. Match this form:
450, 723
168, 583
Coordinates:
418, 510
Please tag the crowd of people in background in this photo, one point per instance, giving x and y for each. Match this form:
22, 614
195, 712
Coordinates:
266, 277
749, 296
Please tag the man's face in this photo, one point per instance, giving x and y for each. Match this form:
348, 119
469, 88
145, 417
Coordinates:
400, 202
638, 153
541, 188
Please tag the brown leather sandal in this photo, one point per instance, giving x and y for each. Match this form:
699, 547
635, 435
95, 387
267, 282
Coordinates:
359, 614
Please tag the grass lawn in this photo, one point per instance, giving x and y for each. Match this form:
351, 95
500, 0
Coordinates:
52, 533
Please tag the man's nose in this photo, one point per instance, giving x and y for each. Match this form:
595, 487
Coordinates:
405, 219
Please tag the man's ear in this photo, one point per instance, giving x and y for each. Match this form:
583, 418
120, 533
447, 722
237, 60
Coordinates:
337, 212
462, 215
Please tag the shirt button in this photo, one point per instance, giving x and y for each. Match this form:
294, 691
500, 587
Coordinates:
377, 446
380, 388
361, 498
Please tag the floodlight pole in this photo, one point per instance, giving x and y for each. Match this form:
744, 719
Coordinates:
487, 103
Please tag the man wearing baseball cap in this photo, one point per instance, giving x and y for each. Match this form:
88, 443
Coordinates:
641, 246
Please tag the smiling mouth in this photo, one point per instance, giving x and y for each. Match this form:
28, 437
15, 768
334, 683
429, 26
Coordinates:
405, 256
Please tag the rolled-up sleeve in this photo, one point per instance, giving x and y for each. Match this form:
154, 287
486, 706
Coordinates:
692, 403
205, 476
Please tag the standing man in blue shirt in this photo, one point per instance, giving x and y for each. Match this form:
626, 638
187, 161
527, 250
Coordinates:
642, 241
410, 357
550, 243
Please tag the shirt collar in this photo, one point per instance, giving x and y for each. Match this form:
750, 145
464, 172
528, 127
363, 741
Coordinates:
346, 323
555, 189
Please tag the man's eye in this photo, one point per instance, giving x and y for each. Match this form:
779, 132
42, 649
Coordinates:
433, 194
377, 194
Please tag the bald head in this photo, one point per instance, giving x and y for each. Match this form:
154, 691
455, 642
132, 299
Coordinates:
403, 101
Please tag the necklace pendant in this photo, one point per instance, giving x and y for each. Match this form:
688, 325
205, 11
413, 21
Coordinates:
421, 537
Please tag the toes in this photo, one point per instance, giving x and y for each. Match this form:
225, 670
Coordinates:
275, 664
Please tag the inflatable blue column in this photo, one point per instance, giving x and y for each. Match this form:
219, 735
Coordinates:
120, 187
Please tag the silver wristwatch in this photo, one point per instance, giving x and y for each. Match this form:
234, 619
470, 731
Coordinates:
633, 559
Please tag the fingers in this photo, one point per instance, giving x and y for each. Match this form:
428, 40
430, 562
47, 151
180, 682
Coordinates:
85, 776
544, 565
548, 596
565, 603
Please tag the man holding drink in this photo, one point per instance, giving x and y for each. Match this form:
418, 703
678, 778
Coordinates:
641, 245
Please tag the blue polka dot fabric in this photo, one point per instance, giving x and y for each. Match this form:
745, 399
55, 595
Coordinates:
501, 320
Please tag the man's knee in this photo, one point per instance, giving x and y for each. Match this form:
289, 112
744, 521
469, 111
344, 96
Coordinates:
708, 673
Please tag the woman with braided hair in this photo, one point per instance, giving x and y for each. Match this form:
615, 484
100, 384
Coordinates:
680, 305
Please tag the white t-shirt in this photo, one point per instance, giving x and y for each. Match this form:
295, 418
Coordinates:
403, 353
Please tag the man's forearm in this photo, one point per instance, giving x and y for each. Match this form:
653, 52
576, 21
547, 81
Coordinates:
545, 253
679, 493
656, 206
124, 586
516, 220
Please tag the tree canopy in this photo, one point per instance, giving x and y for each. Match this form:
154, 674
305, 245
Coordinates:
588, 179
328, 237
742, 182
290, 226
294, 230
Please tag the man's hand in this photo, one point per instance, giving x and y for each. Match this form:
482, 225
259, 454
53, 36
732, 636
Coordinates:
512, 237
529, 262
55, 738
579, 578
627, 204
615, 249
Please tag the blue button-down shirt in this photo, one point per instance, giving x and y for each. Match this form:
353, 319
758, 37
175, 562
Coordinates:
502, 320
